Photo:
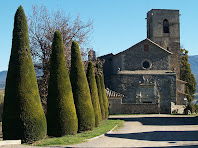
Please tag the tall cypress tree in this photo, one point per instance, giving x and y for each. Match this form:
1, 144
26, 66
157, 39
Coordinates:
186, 75
94, 93
104, 95
61, 112
100, 96
23, 116
81, 92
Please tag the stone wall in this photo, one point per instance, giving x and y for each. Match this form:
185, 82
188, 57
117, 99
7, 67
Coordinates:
133, 58
180, 99
181, 92
127, 85
107, 66
177, 109
169, 41
117, 107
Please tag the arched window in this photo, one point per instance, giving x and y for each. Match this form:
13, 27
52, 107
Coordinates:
166, 26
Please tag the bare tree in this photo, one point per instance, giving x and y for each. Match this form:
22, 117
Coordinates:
42, 25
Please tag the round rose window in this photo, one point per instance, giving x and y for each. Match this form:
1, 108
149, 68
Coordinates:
146, 64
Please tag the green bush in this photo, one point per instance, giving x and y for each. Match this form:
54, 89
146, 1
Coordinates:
94, 93
100, 96
81, 92
61, 112
23, 116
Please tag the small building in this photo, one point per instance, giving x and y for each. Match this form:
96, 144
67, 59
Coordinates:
148, 73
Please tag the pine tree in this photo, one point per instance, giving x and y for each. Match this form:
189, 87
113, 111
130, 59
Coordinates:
61, 112
186, 75
100, 96
81, 92
23, 116
94, 93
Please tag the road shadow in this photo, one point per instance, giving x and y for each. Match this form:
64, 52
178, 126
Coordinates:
172, 136
163, 121
184, 146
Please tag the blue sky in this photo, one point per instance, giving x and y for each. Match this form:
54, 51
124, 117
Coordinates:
118, 24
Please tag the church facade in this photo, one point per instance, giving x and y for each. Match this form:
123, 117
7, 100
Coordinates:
148, 73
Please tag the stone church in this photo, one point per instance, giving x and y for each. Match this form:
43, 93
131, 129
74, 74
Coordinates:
147, 74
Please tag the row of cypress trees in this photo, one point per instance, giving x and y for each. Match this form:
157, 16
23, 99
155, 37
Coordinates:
71, 107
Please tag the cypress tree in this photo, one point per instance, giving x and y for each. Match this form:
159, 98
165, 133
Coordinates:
23, 116
104, 95
94, 93
100, 96
61, 112
186, 75
81, 92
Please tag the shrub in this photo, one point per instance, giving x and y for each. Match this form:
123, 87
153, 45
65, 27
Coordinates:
94, 93
81, 92
23, 116
61, 112
100, 96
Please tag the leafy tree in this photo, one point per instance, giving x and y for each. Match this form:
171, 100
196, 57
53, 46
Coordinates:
94, 93
23, 116
61, 112
81, 92
186, 75
42, 25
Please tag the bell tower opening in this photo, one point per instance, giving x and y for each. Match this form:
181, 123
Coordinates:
166, 26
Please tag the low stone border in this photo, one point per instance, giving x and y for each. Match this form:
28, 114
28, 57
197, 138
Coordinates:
101, 135
10, 142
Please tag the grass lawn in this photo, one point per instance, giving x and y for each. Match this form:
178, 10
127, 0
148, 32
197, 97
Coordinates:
104, 127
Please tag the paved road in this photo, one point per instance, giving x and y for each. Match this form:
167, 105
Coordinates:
151, 131
148, 131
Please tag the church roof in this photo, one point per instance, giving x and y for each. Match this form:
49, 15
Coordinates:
155, 44
158, 45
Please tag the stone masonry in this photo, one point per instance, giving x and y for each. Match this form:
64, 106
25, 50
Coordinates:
147, 74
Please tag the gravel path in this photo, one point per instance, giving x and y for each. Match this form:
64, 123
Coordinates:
147, 131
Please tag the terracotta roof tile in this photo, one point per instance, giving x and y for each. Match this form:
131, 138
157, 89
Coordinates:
111, 93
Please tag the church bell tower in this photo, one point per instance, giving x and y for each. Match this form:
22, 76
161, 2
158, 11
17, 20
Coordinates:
163, 27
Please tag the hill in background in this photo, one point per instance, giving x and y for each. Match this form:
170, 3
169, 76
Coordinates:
3, 75
193, 60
